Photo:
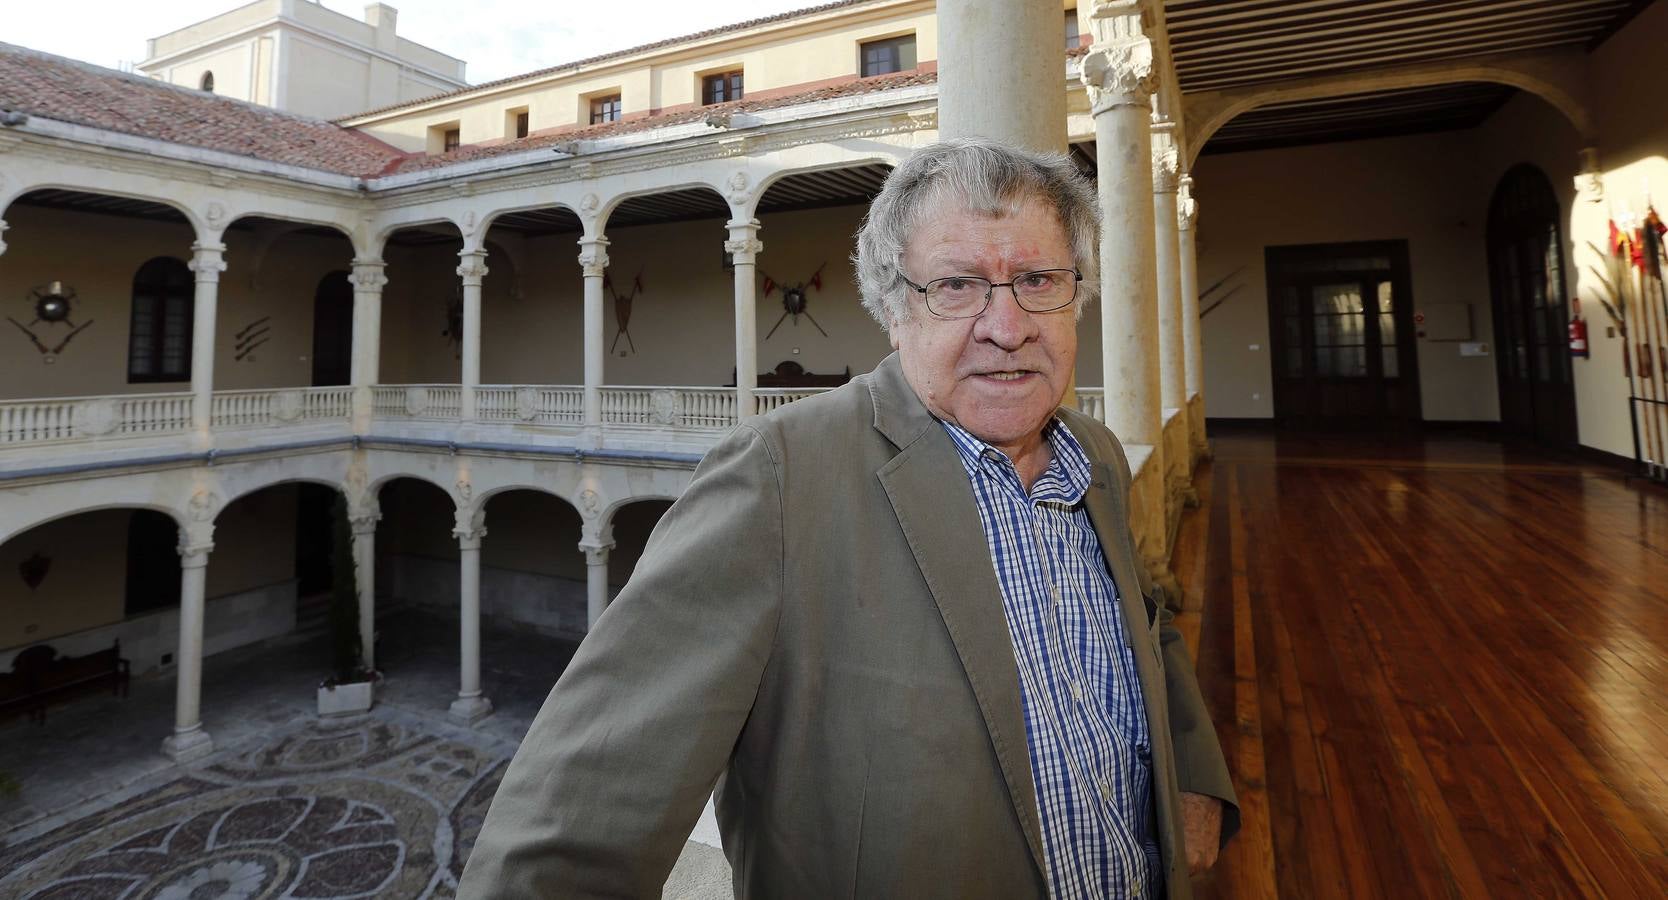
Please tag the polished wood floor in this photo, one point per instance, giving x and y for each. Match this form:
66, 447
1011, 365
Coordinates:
1439, 668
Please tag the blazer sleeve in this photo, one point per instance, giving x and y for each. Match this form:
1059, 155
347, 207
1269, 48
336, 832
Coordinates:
1201, 767
619, 762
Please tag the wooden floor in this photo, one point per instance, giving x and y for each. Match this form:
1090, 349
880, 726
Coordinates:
1439, 668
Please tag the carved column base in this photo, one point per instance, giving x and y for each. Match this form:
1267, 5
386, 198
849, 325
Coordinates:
470, 710
189, 745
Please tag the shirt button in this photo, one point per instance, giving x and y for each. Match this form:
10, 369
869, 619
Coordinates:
1054, 592
1077, 692
1105, 790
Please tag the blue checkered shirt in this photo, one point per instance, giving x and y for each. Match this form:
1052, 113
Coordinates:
1085, 722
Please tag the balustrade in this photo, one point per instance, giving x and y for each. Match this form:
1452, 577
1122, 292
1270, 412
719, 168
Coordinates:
533, 404
281, 406
669, 407
767, 399
25, 422
1092, 401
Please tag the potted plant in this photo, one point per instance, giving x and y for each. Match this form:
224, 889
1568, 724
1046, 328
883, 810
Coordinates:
350, 687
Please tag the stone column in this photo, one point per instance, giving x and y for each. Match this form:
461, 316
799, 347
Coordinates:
1172, 365
472, 269
363, 521
1118, 72
207, 262
744, 248
3, 227
1187, 211
470, 706
999, 72
189, 741
596, 578
593, 262
368, 280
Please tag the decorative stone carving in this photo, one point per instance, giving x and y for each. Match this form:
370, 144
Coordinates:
204, 505
363, 516
3, 227
216, 214
588, 204
468, 223
593, 257
466, 491
1187, 209
744, 240
596, 554
416, 401
738, 188
96, 418
472, 266
590, 503
1118, 69
207, 261
1166, 167
665, 407
287, 406
526, 404
469, 528
368, 275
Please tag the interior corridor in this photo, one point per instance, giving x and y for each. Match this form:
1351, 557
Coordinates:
1438, 667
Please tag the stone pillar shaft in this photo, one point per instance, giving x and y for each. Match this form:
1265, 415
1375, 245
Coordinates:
364, 560
1192, 325
3, 227
596, 580
207, 262
1172, 365
472, 269
368, 280
470, 706
744, 248
189, 741
593, 262
999, 68
1118, 72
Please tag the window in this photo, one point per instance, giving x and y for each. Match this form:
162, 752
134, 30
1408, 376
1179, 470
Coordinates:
1072, 34
884, 56
605, 109
521, 124
451, 140
159, 337
720, 87
207, 83
515, 123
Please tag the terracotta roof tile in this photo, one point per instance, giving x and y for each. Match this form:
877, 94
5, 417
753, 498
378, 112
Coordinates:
604, 57
856, 87
65, 90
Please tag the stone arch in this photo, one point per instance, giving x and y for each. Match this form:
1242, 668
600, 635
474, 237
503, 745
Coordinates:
198, 226
1555, 79
11, 530
606, 210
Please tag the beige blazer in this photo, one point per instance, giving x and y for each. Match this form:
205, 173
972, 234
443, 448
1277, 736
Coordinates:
818, 621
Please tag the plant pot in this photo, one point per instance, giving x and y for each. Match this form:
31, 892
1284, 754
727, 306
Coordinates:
346, 699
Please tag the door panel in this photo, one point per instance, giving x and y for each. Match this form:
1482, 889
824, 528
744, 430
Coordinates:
1526, 281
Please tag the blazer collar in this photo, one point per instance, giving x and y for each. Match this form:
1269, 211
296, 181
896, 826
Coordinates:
931, 496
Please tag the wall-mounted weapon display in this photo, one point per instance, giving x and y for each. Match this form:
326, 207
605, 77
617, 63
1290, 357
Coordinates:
251, 336
1636, 300
53, 303
794, 299
1207, 292
622, 310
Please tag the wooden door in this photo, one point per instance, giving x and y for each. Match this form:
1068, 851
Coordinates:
1526, 282
1339, 321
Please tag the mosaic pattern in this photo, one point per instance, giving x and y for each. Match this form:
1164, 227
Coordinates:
366, 808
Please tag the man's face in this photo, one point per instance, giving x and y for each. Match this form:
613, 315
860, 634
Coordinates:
999, 375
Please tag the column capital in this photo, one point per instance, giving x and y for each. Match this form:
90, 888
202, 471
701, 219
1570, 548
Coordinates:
368, 275
194, 552
362, 520
3, 227
593, 256
1118, 69
596, 554
744, 239
472, 266
469, 536
207, 260
1187, 208
1166, 167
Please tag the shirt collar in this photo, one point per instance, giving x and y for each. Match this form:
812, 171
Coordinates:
1066, 479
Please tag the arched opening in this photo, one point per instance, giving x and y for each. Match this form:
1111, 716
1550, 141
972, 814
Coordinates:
333, 330
633, 524
1526, 288
532, 572
207, 82
160, 324
422, 312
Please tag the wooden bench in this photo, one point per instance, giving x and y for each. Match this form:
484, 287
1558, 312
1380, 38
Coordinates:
39, 676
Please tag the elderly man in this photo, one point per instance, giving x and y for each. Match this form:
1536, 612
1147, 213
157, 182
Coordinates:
902, 625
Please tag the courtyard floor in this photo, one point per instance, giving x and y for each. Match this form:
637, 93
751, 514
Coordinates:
381, 805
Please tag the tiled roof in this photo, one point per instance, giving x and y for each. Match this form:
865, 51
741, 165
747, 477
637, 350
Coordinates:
65, 90
630, 51
855, 87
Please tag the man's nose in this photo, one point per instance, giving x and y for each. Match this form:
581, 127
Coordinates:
1005, 323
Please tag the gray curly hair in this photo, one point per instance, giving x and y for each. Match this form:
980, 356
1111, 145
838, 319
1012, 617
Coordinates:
989, 177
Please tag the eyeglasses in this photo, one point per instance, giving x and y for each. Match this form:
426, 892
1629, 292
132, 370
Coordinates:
967, 296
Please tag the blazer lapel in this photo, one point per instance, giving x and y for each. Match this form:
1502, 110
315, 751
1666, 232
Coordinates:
935, 507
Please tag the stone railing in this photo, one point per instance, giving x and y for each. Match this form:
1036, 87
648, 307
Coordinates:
669, 407
532, 404
281, 406
417, 401
1092, 400
767, 399
27, 422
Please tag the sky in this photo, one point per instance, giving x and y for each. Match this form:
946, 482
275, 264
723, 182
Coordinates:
497, 38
